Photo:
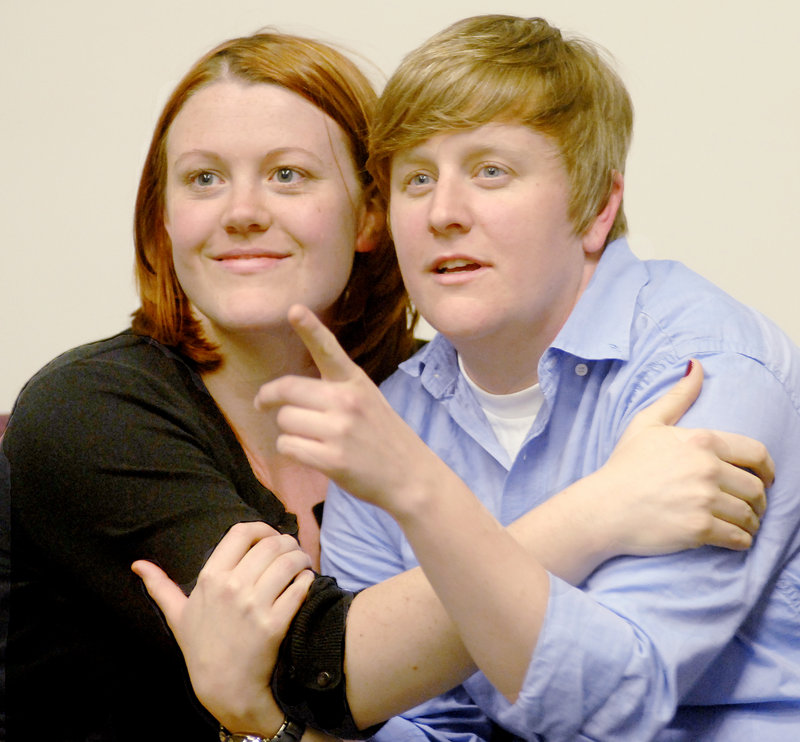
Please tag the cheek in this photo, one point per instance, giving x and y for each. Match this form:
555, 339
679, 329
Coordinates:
540, 223
404, 224
188, 223
178, 227
411, 267
333, 227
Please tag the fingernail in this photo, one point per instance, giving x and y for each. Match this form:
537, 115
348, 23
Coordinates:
689, 367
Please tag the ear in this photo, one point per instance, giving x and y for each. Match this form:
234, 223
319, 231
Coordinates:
371, 222
595, 237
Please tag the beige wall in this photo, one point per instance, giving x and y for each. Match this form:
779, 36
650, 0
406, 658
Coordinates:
712, 180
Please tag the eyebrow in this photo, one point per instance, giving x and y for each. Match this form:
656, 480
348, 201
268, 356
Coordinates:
208, 154
272, 154
417, 156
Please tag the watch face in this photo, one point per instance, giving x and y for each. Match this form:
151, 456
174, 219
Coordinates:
290, 731
226, 736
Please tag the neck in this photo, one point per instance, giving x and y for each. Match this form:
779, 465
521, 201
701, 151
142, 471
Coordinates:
508, 361
498, 367
248, 363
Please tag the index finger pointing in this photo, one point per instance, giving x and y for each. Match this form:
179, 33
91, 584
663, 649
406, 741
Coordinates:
331, 360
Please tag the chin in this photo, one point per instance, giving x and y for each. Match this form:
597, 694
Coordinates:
241, 324
457, 332
458, 321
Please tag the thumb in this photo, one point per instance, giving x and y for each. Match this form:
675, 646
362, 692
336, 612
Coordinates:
163, 591
673, 404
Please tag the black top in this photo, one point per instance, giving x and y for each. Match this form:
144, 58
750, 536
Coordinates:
115, 452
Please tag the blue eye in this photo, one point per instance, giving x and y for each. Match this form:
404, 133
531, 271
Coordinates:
492, 171
420, 179
286, 175
203, 178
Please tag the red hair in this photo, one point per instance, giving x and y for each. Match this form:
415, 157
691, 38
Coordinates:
372, 318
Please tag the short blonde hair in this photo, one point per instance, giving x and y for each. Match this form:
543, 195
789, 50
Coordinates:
517, 70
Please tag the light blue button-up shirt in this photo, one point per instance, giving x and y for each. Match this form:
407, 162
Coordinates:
701, 645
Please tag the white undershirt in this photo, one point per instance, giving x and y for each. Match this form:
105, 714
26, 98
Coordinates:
510, 415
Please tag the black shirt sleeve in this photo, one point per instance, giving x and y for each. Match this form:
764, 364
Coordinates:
309, 680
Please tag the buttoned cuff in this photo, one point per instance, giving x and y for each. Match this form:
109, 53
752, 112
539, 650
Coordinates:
309, 682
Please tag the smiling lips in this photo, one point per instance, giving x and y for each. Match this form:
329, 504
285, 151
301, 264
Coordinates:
247, 263
250, 256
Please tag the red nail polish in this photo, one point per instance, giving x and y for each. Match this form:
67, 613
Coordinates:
689, 367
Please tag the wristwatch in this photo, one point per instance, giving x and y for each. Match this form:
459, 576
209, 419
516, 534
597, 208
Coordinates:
290, 731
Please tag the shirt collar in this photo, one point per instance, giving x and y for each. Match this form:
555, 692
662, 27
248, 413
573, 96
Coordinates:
436, 365
599, 327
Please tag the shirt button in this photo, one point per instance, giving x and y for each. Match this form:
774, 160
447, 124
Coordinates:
581, 369
324, 679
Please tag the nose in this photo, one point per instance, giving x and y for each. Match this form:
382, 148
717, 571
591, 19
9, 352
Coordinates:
245, 211
448, 207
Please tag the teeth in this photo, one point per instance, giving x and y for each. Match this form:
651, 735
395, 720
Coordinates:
458, 264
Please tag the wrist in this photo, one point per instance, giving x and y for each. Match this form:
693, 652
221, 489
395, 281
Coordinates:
424, 492
592, 509
259, 721
289, 731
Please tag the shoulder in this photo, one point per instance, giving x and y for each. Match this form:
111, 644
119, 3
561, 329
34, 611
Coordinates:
123, 356
126, 349
681, 310
752, 368
673, 315
101, 384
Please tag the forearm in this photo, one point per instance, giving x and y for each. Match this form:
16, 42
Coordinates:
469, 560
400, 640
561, 535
